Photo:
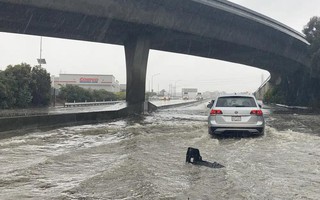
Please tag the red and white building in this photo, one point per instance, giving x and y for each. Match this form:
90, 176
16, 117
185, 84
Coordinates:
87, 81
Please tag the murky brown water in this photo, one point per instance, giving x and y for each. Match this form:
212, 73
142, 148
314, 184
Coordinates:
145, 159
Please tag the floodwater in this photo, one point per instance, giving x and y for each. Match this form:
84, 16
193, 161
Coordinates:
79, 109
144, 158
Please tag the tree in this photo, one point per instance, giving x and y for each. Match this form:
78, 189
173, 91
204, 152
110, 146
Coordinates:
18, 81
40, 86
121, 95
312, 79
312, 32
23, 86
150, 94
103, 95
72, 93
3, 91
7, 89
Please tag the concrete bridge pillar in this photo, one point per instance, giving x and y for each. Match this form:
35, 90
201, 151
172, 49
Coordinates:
136, 52
275, 79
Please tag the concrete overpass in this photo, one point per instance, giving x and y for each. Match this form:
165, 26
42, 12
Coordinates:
208, 28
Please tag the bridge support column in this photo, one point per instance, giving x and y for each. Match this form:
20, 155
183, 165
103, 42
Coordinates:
137, 52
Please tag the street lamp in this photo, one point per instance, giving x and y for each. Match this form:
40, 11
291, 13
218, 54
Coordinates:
41, 60
152, 80
175, 87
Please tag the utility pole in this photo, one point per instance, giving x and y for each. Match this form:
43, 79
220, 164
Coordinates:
175, 87
40, 50
41, 60
152, 80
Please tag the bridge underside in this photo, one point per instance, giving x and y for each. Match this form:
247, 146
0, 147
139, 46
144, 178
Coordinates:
221, 35
53, 23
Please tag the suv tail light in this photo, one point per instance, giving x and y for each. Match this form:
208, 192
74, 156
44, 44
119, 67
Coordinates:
256, 112
215, 112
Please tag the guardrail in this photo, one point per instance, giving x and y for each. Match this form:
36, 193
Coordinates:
96, 103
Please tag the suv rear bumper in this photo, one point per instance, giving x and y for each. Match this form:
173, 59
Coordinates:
250, 130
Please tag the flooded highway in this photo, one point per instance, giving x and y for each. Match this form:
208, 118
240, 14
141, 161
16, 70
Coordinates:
79, 109
144, 158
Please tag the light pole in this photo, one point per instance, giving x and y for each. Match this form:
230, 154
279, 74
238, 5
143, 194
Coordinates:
175, 87
41, 60
152, 80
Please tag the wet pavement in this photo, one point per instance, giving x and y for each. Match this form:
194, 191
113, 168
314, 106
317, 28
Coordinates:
144, 158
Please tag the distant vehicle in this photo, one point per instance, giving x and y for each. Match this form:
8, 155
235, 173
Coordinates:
199, 96
235, 113
185, 96
165, 98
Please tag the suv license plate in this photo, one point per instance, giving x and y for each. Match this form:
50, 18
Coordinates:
236, 118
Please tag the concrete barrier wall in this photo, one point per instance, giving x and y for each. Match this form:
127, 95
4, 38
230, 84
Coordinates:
18, 124
35, 122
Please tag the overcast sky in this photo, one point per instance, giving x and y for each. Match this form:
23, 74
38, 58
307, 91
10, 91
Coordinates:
70, 56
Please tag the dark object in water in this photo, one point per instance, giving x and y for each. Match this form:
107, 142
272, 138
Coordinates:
193, 156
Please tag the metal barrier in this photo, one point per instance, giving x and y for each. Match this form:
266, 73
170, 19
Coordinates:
96, 103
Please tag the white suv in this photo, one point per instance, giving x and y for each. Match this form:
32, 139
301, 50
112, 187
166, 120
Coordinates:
235, 113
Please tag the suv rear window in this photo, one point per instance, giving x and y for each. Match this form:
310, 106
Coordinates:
236, 101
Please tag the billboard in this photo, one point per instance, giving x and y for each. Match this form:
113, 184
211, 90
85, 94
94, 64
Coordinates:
188, 90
